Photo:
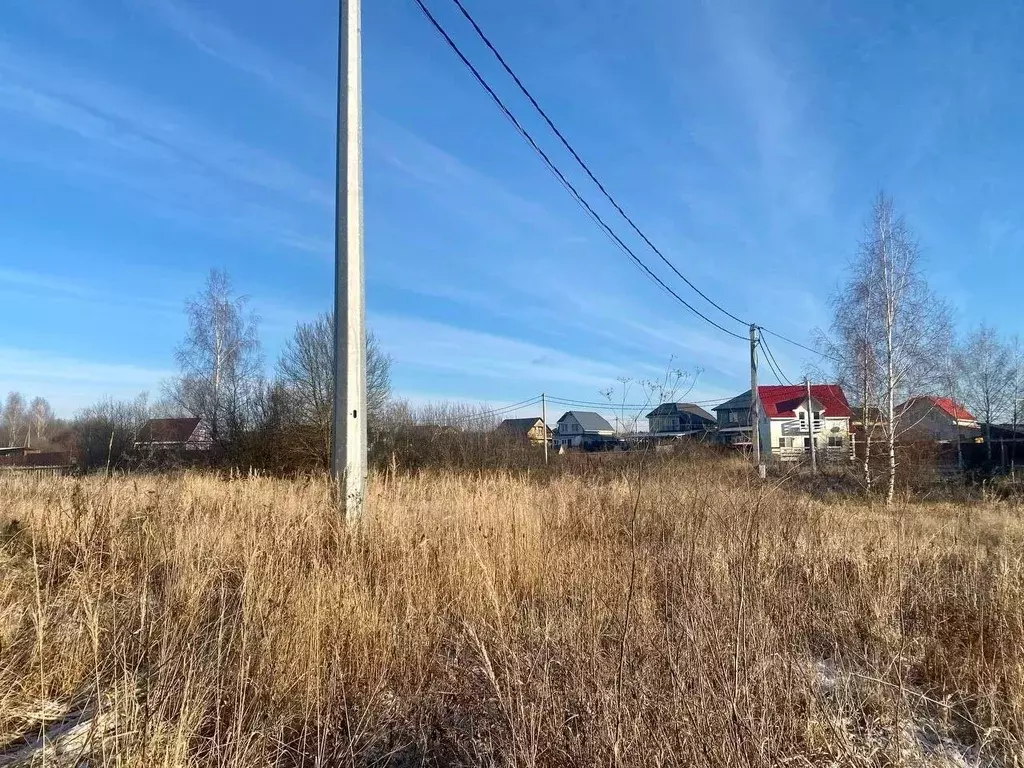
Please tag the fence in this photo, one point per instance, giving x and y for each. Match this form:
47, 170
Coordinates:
55, 471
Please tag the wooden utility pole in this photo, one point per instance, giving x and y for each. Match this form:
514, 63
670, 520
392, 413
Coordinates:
348, 435
755, 402
810, 427
544, 418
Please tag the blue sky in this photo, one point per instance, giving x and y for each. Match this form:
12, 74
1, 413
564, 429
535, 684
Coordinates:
143, 142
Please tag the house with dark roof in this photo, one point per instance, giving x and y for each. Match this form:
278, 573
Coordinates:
188, 434
534, 429
583, 429
733, 421
790, 420
680, 420
941, 419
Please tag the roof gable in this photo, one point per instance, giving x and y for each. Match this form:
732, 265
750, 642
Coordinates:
168, 430
781, 402
589, 421
947, 405
737, 403
520, 426
670, 409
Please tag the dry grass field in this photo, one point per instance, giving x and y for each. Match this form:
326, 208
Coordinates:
489, 619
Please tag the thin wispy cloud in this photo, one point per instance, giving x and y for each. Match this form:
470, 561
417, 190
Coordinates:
148, 147
50, 284
431, 346
220, 42
452, 183
792, 156
70, 382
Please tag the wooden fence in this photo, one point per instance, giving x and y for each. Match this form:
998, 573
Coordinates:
56, 471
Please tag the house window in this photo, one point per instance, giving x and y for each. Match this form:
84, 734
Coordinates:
803, 419
807, 442
835, 441
785, 442
817, 417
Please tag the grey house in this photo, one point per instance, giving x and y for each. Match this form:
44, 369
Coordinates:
680, 420
734, 421
582, 429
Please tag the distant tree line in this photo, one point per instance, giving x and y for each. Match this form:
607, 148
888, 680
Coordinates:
25, 422
276, 421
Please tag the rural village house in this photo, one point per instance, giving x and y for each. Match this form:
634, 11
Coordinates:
174, 435
734, 421
789, 421
680, 419
533, 429
936, 418
582, 429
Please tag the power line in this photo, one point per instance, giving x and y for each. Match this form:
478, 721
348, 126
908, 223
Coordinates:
584, 166
606, 405
561, 177
577, 196
565, 142
503, 409
798, 344
612, 405
774, 370
773, 363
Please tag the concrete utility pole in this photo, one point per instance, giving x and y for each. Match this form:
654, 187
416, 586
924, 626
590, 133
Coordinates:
544, 418
810, 427
348, 449
755, 402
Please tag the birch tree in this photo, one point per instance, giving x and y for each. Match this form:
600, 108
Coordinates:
914, 325
986, 371
850, 345
890, 331
220, 362
14, 417
41, 415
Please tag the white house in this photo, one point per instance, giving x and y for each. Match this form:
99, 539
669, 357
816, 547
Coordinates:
582, 429
789, 421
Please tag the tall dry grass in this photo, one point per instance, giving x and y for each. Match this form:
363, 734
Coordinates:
492, 619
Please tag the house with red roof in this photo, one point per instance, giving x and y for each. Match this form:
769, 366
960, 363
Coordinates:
942, 419
790, 421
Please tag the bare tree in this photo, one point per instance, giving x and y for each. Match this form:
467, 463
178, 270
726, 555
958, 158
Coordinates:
305, 372
986, 370
897, 348
952, 386
1016, 391
106, 431
850, 344
14, 417
220, 360
42, 415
